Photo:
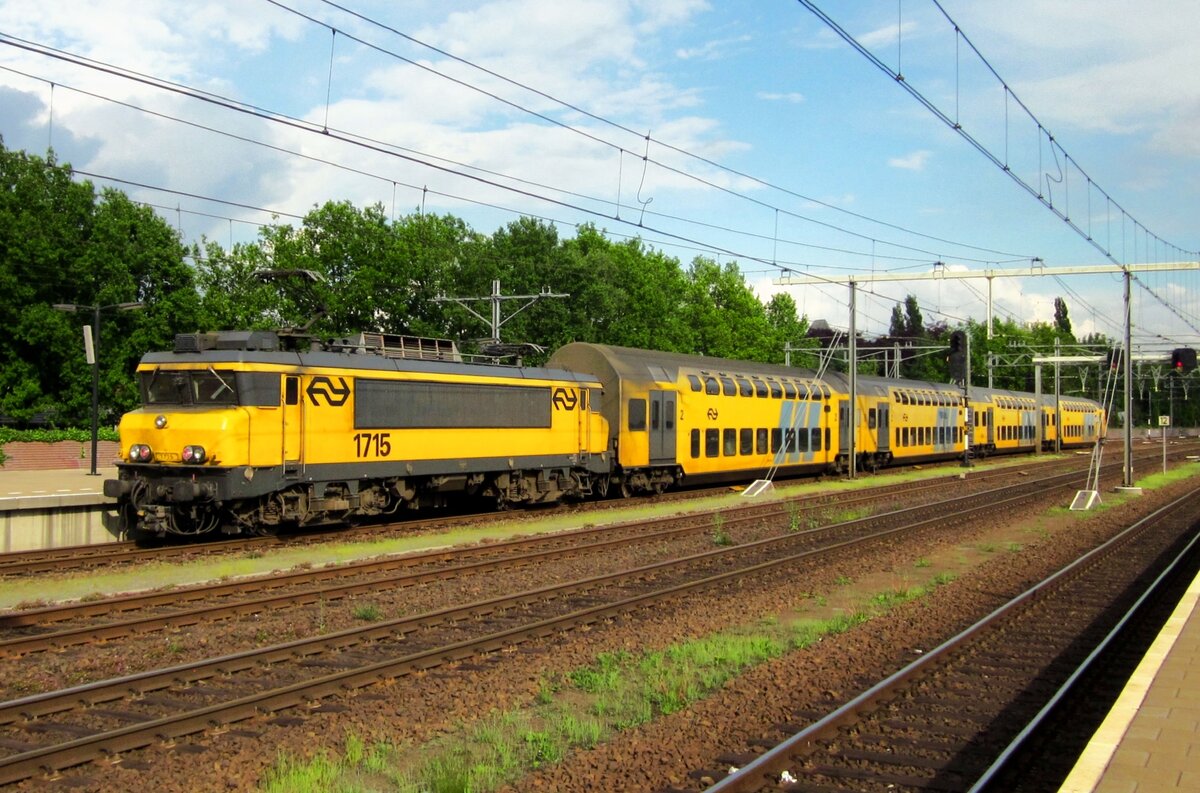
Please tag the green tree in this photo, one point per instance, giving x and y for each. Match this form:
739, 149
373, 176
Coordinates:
790, 330
1061, 321
61, 243
232, 296
725, 316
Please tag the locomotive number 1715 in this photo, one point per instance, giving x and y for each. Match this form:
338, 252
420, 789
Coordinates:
373, 444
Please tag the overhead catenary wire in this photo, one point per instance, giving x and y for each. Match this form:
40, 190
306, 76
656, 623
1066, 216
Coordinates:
575, 108
772, 259
1042, 131
412, 155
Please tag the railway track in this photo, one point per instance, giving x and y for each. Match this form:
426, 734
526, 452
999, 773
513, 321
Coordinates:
956, 718
89, 557
65, 625
48, 732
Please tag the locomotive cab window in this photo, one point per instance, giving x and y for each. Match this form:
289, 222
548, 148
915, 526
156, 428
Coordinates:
191, 387
291, 391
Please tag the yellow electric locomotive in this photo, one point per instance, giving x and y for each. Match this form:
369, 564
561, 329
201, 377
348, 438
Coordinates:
238, 433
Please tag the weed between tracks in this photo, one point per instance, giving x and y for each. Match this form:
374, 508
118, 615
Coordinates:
580, 709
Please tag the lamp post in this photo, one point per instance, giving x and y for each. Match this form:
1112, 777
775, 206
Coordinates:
92, 348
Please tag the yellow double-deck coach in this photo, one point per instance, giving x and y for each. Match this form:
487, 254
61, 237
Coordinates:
675, 418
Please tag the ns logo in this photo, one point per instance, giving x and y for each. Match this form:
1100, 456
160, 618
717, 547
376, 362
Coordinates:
565, 399
335, 394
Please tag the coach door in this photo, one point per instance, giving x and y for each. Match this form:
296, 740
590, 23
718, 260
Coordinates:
585, 423
293, 424
844, 426
884, 428
662, 427
991, 426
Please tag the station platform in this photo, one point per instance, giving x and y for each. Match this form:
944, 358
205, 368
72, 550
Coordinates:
56, 508
40, 489
1150, 740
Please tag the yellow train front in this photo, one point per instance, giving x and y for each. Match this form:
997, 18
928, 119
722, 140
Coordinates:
239, 434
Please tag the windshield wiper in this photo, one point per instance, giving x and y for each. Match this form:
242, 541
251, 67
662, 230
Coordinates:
224, 385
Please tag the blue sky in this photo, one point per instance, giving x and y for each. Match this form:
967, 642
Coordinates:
835, 169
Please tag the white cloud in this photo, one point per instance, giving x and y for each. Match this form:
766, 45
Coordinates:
915, 161
884, 36
793, 97
712, 50
1099, 65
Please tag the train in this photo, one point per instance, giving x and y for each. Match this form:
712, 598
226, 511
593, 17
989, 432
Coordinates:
248, 432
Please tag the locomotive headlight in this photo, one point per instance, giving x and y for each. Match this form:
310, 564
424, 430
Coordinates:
160, 421
193, 455
140, 453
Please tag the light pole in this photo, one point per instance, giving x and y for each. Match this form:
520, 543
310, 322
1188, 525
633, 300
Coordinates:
92, 348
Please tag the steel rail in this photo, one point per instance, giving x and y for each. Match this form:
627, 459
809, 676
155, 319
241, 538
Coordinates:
87, 556
1159, 584
766, 769
56, 640
91, 608
53, 758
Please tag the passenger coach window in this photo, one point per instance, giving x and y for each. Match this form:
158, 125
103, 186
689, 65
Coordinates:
776, 439
695, 444
776, 390
871, 419
710, 386
695, 382
789, 390
637, 414
814, 440
728, 387
744, 387
760, 388
730, 443
669, 418
746, 442
712, 443
760, 441
655, 408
